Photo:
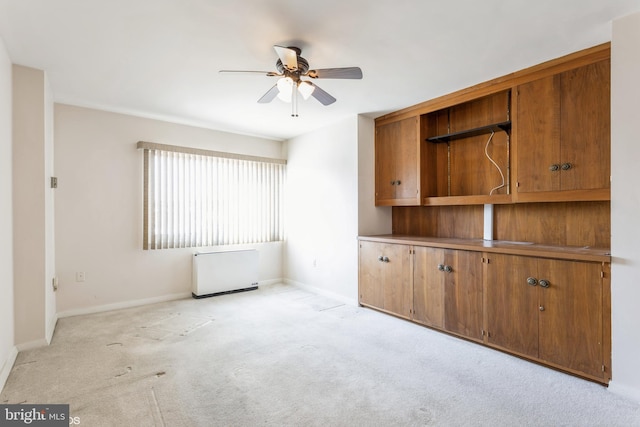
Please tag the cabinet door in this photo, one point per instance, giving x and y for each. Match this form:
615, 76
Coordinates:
539, 135
385, 168
396, 269
563, 131
428, 291
463, 293
570, 320
397, 163
370, 282
407, 161
512, 304
385, 277
585, 124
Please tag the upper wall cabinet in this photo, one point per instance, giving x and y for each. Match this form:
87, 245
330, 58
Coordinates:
563, 136
397, 163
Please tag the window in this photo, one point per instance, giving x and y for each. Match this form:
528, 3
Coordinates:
197, 198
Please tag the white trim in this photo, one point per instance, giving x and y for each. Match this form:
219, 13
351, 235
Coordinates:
51, 327
323, 292
7, 367
270, 282
30, 345
121, 305
625, 391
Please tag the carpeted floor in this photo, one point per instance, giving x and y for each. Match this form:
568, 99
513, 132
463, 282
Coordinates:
286, 357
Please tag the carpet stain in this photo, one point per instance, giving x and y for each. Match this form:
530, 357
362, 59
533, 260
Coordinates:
123, 373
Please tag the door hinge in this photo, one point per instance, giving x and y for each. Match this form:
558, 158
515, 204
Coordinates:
517, 184
602, 274
486, 260
54, 182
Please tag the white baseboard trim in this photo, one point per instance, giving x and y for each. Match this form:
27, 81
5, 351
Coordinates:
30, 345
51, 328
121, 305
270, 282
625, 391
7, 366
323, 292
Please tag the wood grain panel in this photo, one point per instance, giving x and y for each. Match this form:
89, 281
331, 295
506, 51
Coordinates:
465, 222
586, 129
571, 315
472, 173
463, 294
370, 288
538, 105
512, 304
562, 223
480, 112
428, 290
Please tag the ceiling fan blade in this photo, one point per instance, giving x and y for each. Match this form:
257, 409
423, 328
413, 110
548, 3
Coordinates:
266, 73
336, 73
322, 96
269, 96
289, 57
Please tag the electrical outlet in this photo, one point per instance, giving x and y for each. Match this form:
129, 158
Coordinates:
80, 276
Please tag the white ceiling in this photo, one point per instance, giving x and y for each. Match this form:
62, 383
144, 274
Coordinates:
160, 58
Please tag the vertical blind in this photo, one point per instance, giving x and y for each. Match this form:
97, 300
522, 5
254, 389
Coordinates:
197, 197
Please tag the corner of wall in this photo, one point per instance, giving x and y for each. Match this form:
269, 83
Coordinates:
7, 366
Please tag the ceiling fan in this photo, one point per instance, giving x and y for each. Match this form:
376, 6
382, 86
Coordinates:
291, 67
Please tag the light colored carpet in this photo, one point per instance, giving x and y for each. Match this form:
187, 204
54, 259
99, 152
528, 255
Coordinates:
284, 356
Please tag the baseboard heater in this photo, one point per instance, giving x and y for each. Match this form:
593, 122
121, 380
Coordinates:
218, 273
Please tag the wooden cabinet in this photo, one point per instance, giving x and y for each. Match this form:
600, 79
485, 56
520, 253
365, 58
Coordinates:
385, 277
447, 290
547, 309
563, 135
397, 163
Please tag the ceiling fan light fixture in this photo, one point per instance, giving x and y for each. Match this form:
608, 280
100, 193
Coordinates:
305, 89
285, 89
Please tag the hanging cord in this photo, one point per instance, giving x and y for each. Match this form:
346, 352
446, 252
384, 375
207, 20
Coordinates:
486, 153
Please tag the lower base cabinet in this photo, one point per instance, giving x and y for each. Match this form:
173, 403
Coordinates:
552, 311
547, 309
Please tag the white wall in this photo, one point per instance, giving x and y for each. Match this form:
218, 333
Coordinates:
7, 349
371, 220
98, 210
625, 205
32, 208
322, 209
329, 203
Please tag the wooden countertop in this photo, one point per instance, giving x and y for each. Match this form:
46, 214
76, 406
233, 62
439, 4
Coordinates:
576, 253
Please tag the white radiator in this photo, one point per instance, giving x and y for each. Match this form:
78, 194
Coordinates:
217, 273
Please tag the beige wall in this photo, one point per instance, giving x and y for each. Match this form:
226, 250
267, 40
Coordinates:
98, 210
32, 208
7, 349
625, 205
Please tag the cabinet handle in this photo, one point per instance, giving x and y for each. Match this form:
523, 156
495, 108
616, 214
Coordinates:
566, 166
541, 308
393, 183
398, 182
385, 259
532, 281
441, 267
554, 168
448, 269
544, 283
380, 258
